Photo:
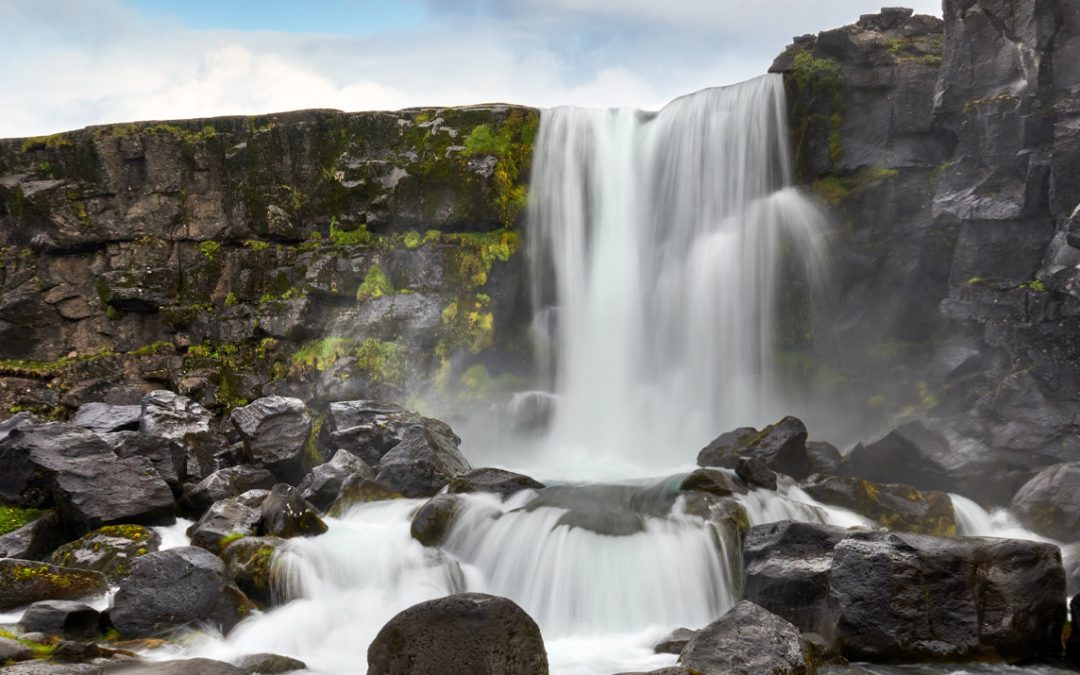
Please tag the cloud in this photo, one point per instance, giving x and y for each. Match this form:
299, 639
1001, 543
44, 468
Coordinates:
69, 63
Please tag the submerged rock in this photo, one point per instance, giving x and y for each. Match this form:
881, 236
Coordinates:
181, 667
269, 664
432, 521
172, 589
897, 507
1050, 502
23, 582
883, 596
675, 641
250, 564
714, 482
748, 640
359, 490
463, 634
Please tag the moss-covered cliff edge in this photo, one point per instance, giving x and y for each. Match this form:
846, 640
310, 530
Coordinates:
339, 254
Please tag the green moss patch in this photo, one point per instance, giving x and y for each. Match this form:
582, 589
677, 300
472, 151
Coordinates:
13, 517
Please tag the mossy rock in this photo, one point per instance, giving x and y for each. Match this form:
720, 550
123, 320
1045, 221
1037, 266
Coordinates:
13, 517
897, 507
360, 490
109, 550
252, 563
23, 582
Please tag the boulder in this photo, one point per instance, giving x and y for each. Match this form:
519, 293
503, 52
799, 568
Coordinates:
824, 457
110, 550
369, 430
250, 564
1050, 502
781, 447
232, 481
38, 667
713, 481
167, 456
322, 485
422, 463
92, 492
432, 521
285, 514
182, 667
897, 507
269, 664
36, 539
172, 589
1072, 646
675, 641
12, 651
754, 472
463, 634
67, 619
171, 415
23, 582
884, 596
748, 640
228, 518
497, 481
359, 490
208, 451
31, 455
103, 417
275, 430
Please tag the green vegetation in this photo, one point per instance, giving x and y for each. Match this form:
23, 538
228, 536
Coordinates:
210, 249
977, 103
512, 146
50, 142
375, 284
467, 325
412, 240
13, 517
338, 237
382, 361
479, 250
160, 347
257, 245
1035, 285
230, 538
836, 188
45, 369
40, 650
819, 79
923, 49
321, 354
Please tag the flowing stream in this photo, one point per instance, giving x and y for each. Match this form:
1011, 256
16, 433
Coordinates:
664, 247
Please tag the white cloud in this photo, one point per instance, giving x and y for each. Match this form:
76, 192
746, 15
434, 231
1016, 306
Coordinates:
68, 63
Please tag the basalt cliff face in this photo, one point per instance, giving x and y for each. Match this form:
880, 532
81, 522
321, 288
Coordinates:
334, 255
337, 256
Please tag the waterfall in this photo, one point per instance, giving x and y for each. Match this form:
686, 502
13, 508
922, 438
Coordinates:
660, 246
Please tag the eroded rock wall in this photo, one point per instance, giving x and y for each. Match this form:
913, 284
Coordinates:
349, 255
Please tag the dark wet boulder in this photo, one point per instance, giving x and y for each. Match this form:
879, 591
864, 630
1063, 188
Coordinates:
938, 455
208, 451
432, 521
824, 457
23, 582
285, 514
110, 550
168, 456
897, 507
781, 447
250, 564
103, 417
228, 482
275, 430
422, 463
369, 429
675, 641
754, 472
496, 481
884, 596
172, 589
748, 640
1050, 502
359, 490
36, 539
171, 415
181, 667
1072, 646
463, 634
227, 519
269, 664
31, 456
713, 481
64, 618
322, 485
92, 492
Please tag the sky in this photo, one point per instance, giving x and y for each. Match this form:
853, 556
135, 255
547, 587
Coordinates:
66, 64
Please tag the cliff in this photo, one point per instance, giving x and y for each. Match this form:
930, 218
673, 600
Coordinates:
225, 258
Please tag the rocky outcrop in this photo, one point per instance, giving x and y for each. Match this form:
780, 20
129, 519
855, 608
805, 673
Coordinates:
467, 633
745, 640
358, 253
322, 486
896, 507
780, 447
947, 151
881, 596
1050, 503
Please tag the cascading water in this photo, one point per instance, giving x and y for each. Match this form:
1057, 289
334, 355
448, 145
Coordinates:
657, 243
661, 245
